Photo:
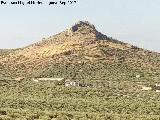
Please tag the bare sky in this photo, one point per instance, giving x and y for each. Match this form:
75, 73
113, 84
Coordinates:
133, 21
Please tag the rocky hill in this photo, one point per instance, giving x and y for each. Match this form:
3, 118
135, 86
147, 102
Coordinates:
79, 52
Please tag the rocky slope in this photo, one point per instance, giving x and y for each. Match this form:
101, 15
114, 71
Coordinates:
75, 50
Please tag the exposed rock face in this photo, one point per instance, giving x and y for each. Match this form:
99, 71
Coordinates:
82, 24
85, 27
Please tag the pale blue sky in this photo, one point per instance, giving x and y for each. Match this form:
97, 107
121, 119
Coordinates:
132, 21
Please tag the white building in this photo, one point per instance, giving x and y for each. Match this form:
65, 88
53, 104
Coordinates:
138, 76
71, 83
146, 88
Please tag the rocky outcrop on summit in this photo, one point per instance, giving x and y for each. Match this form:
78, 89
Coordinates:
85, 27
80, 24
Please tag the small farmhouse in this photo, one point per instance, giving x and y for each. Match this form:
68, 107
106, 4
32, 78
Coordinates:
158, 91
146, 88
71, 83
138, 76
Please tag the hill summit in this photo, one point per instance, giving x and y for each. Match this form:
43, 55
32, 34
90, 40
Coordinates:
86, 27
79, 48
84, 24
